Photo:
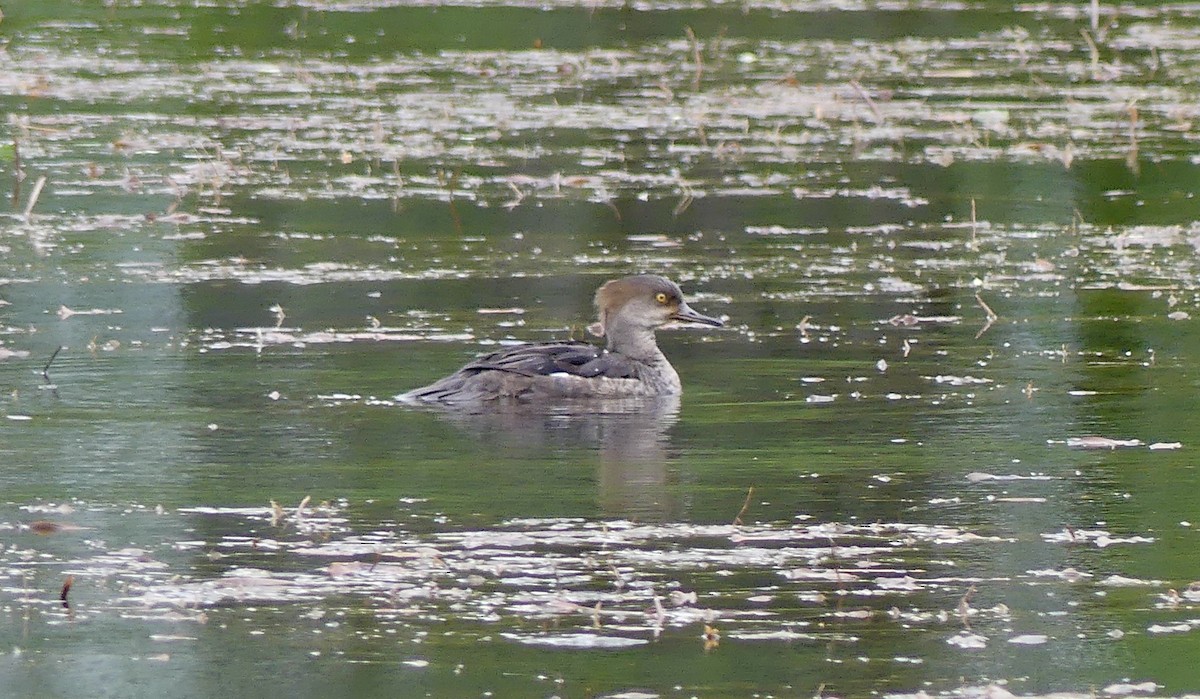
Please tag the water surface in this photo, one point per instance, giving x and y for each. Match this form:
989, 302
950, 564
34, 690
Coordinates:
942, 445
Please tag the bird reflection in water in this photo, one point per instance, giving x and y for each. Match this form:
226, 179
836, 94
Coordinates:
630, 436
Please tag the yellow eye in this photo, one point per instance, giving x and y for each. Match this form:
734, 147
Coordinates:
660, 297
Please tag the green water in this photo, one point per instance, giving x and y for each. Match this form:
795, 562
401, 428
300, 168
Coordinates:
260, 223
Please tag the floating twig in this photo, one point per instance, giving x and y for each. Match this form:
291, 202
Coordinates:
46, 369
737, 521
612, 206
33, 196
450, 183
991, 315
660, 615
803, 326
518, 197
835, 562
1094, 51
300, 508
964, 607
974, 225
1077, 221
618, 579
686, 197
862, 93
399, 186
1131, 156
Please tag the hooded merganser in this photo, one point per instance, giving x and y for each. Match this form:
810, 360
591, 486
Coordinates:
631, 365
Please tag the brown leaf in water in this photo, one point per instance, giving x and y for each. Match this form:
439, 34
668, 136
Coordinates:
66, 589
46, 527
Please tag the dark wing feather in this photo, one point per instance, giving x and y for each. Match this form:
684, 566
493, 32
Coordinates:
573, 358
576, 358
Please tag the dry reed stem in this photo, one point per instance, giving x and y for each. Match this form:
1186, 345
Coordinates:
691, 35
737, 520
33, 196
991, 315
964, 607
1131, 156
862, 93
974, 225
1094, 51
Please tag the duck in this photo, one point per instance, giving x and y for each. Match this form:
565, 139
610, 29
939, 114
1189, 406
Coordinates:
629, 365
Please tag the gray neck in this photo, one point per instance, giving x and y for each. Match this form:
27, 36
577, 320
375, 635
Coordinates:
637, 343
633, 341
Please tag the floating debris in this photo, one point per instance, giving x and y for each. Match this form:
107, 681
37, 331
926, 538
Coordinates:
501, 311
1123, 581
64, 312
959, 380
1122, 689
577, 641
1097, 537
968, 641
6, 353
1101, 443
1030, 639
979, 477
